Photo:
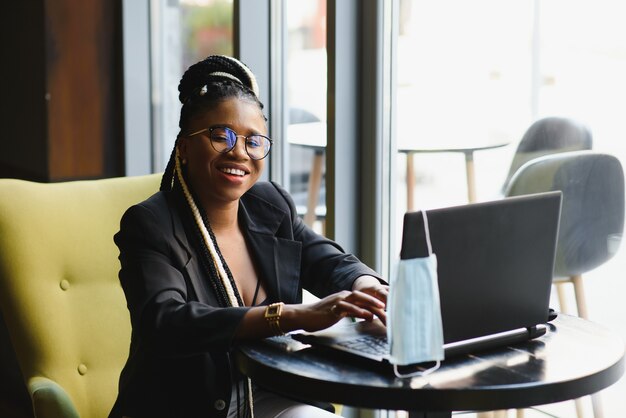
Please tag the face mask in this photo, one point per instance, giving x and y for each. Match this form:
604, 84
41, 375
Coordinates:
414, 327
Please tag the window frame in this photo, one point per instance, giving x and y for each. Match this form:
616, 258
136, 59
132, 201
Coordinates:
358, 93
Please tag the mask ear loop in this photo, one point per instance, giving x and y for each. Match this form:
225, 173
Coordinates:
438, 363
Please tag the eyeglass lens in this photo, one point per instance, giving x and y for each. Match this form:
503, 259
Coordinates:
225, 139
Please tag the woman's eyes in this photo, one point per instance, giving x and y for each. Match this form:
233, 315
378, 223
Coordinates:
255, 141
219, 137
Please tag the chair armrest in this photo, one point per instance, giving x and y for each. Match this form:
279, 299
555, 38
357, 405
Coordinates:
49, 399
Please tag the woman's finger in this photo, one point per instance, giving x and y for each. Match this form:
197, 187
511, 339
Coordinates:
337, 311
357, 310
364, 299
381, 293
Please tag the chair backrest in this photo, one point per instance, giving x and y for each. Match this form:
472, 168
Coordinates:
549, 136
592, 214
59, 289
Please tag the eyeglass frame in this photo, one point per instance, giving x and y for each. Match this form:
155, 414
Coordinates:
237, 136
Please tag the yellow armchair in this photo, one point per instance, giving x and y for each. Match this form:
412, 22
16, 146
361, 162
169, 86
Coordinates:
59, 292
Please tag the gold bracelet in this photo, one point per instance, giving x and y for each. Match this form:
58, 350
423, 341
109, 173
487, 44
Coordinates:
272, 316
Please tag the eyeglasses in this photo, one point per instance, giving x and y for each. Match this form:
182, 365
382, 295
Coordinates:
224, 139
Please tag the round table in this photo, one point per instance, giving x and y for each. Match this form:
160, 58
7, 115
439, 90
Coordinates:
313, 135
574, 358
437, 147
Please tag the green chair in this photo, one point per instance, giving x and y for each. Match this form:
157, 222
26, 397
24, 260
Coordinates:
60, 296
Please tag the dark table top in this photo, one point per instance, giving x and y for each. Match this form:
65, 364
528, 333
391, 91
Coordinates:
574, 358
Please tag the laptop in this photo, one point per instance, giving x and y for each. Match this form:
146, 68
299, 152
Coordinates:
495, 265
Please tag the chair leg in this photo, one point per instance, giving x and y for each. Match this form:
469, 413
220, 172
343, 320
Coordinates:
315, 184
596, 402
560, 290
580, 410
471, 181
410, 181
520, 413
581, 307
579, 291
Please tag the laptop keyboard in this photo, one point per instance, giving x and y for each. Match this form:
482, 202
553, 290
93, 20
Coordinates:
370, 344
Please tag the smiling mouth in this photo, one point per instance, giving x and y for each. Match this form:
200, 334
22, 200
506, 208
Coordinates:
233, 171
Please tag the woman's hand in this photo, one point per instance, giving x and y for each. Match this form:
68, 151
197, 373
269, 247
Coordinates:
367, 299
364, 304
372, 286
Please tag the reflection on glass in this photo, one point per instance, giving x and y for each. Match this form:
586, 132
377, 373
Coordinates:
306, 101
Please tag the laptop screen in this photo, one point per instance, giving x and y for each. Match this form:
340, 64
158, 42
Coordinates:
495, 261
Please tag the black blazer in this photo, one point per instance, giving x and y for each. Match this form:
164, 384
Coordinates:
179, 364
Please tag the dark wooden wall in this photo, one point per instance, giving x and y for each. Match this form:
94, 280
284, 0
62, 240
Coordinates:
63, 111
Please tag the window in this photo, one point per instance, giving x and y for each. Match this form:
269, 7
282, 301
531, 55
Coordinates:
182, 33
480, 72
306, 107
462, 81
206, 29
484, 73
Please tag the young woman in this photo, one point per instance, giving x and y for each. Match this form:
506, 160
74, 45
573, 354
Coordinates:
216, 257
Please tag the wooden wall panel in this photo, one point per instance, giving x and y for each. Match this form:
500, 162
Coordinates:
84, 110
62, 107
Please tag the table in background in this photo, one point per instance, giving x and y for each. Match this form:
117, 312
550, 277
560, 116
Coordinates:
575, 358
438, 147
311, 135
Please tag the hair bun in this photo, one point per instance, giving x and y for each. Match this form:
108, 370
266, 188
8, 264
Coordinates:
215, 66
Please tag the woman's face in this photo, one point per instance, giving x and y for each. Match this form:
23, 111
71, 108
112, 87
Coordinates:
219, 178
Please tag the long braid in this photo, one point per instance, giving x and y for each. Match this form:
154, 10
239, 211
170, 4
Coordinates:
218, 270
167, 181
210, 269
208, 240
201, 88
229, 274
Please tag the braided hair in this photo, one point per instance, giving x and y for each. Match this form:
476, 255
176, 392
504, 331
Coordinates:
203, 86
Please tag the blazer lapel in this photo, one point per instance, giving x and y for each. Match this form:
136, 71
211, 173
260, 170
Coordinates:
192, 266
278, 258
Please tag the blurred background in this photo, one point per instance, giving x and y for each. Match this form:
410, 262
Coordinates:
463, 76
